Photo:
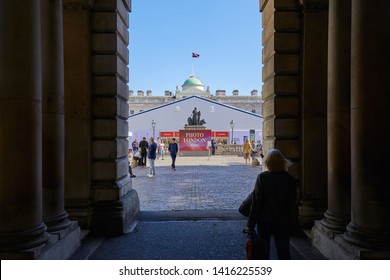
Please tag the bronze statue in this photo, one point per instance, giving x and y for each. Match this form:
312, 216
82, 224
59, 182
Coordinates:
195, 119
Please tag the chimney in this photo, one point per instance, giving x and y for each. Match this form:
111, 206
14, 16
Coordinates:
220, 92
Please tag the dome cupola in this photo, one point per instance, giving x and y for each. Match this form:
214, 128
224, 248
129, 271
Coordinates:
192, 82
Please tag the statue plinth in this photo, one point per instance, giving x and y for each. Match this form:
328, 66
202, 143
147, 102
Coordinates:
193, 140
194, 127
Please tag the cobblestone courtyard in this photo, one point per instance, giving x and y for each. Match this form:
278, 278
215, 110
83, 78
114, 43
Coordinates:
199, 183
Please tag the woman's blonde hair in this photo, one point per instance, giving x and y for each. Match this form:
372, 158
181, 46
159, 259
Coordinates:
275, 161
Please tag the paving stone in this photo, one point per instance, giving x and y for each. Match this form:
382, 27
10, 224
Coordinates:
199, 183
188, 214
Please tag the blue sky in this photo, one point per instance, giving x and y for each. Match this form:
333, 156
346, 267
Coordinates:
225, 33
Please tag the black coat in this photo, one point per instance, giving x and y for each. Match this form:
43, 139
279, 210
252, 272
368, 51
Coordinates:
143, 144
273, 199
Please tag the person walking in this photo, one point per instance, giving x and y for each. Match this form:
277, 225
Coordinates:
130, 158
134, 146
254, 151
273, 204
158, 142
162, 150
152, 150
173, 150
143, 146
213, 146
259, 149
247, 150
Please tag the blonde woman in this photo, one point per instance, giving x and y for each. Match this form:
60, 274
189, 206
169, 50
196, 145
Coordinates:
273, 203
247, 151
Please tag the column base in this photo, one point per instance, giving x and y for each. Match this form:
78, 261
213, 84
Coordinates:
80, 211
57, 222
371, 239
333, 246
113, 218
309, 211
24, 240
60, 246
335, 222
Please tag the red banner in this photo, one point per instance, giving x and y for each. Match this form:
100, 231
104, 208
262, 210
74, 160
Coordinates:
221, 134
167, 134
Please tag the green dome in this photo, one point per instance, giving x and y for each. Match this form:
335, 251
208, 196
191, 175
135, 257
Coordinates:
192, 81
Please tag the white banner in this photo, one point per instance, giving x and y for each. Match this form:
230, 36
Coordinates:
200, 270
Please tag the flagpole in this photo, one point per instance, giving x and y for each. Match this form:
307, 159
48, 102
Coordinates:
194, 55
193, 67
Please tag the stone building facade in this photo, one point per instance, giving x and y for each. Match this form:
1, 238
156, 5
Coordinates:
248, 103
140, 101
64, 109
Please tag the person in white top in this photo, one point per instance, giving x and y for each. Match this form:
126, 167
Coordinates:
162, 149
158, 142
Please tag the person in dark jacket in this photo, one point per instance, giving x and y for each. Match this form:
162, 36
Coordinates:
173, 150
143, 146
273, 204
152, 151
213, 146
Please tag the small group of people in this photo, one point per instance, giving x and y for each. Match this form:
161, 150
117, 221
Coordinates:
151, 150
142, 148
251, 150
273, 204
141, 152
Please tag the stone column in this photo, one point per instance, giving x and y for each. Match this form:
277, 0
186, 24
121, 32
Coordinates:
21, 225
337, 216
54, 214
78, 127
281, 54
326, 232
370, 102
314, 111
115, 202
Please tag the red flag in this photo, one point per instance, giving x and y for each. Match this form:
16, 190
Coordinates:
195, 55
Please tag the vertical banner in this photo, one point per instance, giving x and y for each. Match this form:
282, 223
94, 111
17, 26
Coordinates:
194, 142
252, 134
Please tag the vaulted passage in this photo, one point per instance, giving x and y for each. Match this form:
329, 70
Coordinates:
63, 121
